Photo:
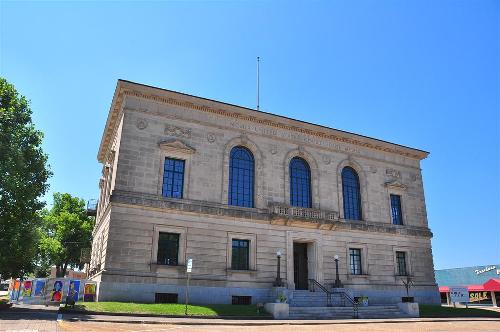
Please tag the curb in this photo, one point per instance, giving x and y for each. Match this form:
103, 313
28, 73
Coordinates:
276, 322
126, 314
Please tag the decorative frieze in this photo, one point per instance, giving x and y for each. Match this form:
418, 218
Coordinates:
172, 130
266, 126
393, 173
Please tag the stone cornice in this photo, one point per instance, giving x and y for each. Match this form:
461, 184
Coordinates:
261, 215
125, 88
396, 184
176, 145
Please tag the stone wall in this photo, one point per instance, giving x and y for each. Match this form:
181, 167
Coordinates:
140, 166
131, 260
143, 128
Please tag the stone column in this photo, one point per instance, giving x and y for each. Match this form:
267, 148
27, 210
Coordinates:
493, 299
448, 300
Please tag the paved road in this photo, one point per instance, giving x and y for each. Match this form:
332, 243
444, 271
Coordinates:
29, 318
465, 326
42, 319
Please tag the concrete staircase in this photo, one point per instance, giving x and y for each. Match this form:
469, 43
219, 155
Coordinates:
305, 298
313, 305
376, 311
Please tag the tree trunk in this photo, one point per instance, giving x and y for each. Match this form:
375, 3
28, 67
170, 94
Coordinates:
64, 269
58, 271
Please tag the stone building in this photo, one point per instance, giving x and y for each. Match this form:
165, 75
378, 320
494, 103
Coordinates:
230, 187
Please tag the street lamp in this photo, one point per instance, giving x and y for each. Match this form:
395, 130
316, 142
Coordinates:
338, 283
278, 282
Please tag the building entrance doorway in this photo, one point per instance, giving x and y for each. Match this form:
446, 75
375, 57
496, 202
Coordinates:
300, 272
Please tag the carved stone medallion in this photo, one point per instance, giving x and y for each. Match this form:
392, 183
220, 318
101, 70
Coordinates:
274, 149
211, 137
141, 124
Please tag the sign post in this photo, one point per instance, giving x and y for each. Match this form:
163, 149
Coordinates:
459, 294
189, 267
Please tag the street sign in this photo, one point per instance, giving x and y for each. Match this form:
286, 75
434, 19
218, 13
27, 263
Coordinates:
189, 267
459, 294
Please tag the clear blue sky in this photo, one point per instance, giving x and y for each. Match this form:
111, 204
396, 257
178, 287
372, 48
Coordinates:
418, 73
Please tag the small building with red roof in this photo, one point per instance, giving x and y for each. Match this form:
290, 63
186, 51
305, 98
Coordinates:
482, 282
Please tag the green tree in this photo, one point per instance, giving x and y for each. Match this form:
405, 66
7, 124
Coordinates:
65, 232
23, 181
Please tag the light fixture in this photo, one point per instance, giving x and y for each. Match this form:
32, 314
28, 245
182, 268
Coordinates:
278, 282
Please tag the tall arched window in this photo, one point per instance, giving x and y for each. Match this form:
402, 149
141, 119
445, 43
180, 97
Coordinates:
300, 183
351, 194
241, 177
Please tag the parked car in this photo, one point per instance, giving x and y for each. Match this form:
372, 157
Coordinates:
4, 288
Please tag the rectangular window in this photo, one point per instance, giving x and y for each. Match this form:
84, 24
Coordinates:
240, 254
397, 217
168, 248
401, 263
173, 178
166, 298
355, 257
241, 300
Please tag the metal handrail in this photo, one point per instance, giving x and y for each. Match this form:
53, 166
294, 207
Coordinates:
344, 296
312, 287
354, 303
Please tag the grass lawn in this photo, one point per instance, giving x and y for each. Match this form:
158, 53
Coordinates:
4, 300
172, 309
433, 311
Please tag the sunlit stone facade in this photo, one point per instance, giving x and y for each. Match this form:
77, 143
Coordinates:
139, 230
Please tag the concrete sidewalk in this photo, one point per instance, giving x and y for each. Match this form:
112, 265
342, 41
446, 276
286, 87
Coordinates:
72, 317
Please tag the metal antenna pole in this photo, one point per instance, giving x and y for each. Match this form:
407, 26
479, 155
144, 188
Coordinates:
258, 82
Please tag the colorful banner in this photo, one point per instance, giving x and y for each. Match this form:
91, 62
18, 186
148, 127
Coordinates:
74, 288
14, 293
40, 288
28, 284
89, 293
57, 291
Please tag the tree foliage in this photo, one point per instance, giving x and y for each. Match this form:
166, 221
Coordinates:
23, 181
65, 231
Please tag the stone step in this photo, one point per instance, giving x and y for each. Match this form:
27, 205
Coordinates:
326, 309
348, 309
382, 311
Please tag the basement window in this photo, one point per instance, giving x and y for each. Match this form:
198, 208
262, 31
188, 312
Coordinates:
166, 298
242, 300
